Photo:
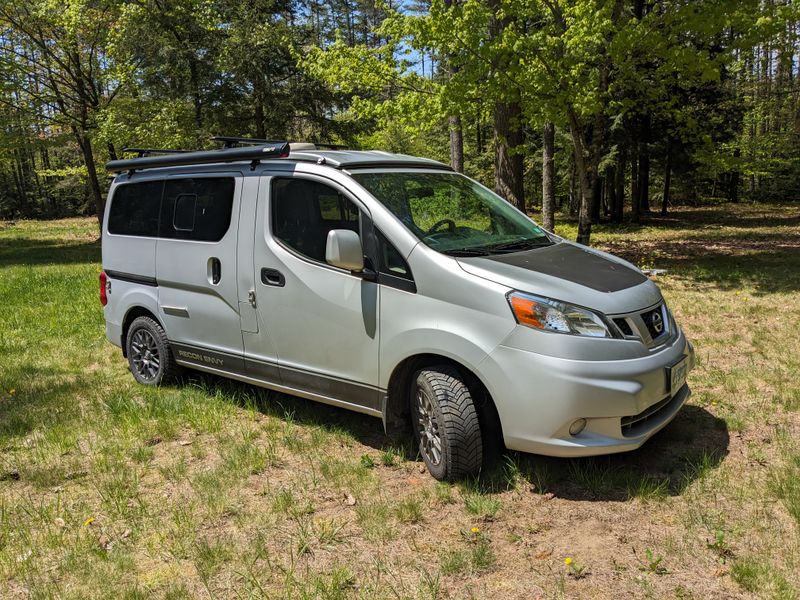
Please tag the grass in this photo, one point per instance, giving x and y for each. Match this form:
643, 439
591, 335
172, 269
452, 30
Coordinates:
217, 489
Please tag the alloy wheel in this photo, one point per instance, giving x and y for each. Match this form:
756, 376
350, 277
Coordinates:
144, 354
428, 427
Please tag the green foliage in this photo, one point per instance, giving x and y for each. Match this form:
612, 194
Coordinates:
713, 79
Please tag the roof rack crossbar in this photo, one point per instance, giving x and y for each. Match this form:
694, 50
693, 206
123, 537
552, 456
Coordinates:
203, 157
324, 145
229, 141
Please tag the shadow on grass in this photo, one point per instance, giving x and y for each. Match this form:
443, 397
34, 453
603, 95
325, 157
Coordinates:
694, 443
744, 216
684, 451
40, 404
24, 251
363, 428
770, 263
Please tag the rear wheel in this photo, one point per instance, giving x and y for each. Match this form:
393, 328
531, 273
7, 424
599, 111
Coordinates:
149, 354
446, 423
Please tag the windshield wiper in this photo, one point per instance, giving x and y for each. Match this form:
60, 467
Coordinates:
519, 245
465, 252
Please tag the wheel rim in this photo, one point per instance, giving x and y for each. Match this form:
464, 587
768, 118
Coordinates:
429, 437
144, 354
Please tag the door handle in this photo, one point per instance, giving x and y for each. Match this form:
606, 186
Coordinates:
214, 270
272, 277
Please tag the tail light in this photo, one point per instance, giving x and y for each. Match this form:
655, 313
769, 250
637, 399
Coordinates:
103, 288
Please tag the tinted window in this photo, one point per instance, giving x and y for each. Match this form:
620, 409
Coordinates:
197, 208
304, 211
134, 209
185, 206
391, 261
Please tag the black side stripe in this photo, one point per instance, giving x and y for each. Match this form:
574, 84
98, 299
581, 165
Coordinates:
132, 278
270, 373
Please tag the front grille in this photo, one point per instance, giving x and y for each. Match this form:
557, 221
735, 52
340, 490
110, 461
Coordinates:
633, 424
655, 322
623, 326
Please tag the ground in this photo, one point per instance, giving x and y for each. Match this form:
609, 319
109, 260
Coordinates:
216, 489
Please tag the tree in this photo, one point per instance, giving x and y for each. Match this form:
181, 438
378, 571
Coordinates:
548, 177
56, 54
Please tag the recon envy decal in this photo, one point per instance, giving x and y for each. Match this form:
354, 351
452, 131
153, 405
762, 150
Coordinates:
200, 357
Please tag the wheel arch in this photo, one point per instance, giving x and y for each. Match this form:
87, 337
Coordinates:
133, 313
397, 409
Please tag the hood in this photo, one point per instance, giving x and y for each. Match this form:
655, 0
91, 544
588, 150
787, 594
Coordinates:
572, 273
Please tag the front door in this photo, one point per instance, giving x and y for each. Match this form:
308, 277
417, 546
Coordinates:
196, 269
322, 320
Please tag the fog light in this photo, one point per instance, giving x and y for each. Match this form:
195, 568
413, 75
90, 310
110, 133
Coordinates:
577, 426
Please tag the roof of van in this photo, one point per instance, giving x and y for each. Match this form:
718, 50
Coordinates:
351, 159
338, 159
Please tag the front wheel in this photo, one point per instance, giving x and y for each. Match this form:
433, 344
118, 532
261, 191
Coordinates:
446, 423
149, 354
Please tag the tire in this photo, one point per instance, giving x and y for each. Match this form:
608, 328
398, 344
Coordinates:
149, 354
445, 423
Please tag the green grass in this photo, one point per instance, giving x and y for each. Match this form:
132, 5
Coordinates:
213, 488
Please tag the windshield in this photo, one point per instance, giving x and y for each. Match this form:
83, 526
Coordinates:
453, 214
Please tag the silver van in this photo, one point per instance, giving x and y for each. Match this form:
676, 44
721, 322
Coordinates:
392, 286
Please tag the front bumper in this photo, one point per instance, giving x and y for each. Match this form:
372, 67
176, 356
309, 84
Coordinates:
624, 402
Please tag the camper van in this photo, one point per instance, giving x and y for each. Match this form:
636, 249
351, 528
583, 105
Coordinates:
389, 285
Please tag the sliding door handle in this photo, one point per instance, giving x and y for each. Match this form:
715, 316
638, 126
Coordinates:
214, 270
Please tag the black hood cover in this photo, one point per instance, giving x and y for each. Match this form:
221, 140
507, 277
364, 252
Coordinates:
575, 264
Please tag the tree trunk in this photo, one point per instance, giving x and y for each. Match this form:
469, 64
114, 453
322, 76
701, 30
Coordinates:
584, 179
733, 191
667, 177
597, 198
573, 193
619, 184
644, 166
94, 183
508, 163
456, 131
611, 192
456, 144
548, 177
635, 185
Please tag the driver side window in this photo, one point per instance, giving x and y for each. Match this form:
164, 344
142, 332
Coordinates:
304, 211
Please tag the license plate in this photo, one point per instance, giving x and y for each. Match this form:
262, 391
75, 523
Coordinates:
676, 374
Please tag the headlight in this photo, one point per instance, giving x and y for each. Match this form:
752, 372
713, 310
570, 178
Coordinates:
553, 315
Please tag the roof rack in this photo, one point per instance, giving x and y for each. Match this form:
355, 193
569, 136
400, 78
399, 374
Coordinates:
254, 154
228, 141
148, 151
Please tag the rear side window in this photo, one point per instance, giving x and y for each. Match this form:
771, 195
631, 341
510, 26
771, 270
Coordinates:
134, 209
197, 208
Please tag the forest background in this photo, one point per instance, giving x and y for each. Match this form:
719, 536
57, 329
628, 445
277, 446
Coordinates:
598, 110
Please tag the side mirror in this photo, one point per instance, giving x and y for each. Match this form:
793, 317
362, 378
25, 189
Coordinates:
343, 250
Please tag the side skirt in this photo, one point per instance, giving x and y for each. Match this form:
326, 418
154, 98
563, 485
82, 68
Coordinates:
370, 400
